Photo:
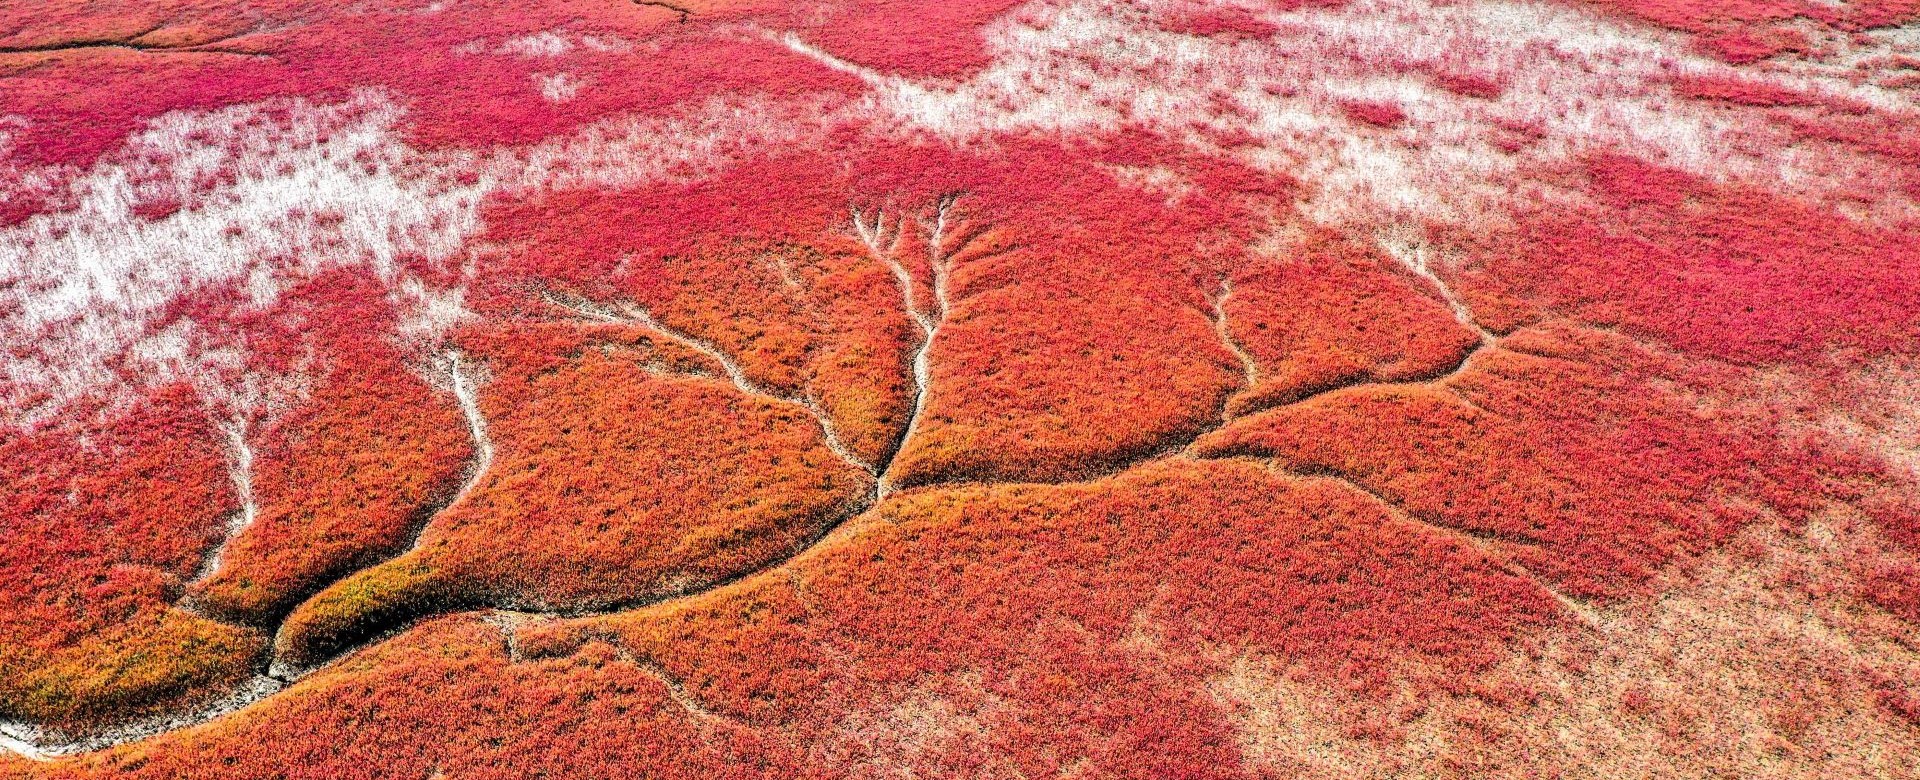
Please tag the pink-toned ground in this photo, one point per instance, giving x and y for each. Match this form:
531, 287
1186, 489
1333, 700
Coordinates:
1080, 388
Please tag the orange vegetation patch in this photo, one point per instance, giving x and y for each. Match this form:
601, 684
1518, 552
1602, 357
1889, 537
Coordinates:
1176, 550
1753, 661
940, 635
105, 523
1048, 367
343, 479
495, 718
818, 321
1066, 303
1327, 312
1580, 454
1076, 334
613, 481
760, 265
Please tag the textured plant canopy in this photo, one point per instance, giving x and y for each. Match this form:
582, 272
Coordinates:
1079, 388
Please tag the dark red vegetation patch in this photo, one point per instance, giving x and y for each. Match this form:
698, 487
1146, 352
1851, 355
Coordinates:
1470, 84
104, 523
1373, 112
1742, 91
1726, 271
1231, 23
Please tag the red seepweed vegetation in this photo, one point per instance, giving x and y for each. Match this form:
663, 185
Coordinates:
1326, 311
344, 478
1373, 112
1034, 372
1223, 22
1747, 32
1724, 271
1079, 337
939, 634
106, 521
899, 455
614, 480
761, 264
1579, 454
457, 74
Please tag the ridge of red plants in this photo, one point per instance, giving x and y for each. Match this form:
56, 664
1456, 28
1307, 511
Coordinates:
1373, 112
